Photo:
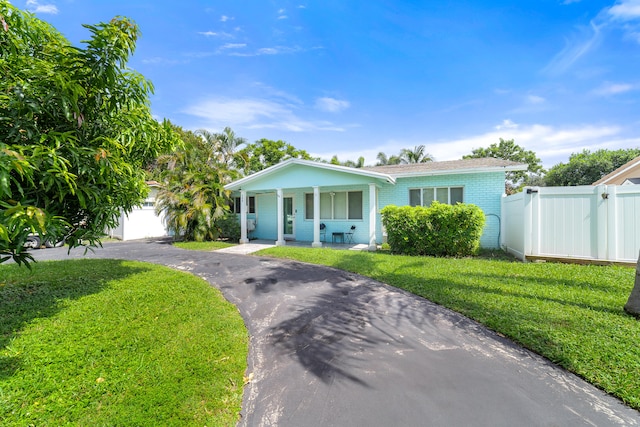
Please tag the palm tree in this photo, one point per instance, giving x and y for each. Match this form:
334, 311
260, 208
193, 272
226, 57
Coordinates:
417, 155
225, 147
193, 195
383, 160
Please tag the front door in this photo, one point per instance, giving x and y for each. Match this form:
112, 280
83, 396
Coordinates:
289, 219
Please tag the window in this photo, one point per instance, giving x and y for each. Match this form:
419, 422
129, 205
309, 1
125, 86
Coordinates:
148, 204
336, 205
235, 205
425, 196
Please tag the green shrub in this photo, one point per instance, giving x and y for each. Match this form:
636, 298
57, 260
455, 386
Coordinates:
229, 227
439, 230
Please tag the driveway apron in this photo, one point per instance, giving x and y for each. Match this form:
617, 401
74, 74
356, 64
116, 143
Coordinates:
331, 348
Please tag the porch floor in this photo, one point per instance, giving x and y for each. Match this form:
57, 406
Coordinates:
256, 245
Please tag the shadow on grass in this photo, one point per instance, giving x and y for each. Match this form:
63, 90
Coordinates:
27, 295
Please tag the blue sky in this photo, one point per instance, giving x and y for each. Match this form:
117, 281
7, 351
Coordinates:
353, 78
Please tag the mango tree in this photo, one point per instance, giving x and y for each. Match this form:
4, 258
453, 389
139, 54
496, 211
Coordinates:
76, 132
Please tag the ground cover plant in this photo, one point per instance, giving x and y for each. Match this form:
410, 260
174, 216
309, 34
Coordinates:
571, 314
108, 342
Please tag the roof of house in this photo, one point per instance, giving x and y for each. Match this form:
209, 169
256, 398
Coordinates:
488, 164
391, 172
236, 185
633, 180
631, 169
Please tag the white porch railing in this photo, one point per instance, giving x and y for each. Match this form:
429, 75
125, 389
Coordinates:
587, 222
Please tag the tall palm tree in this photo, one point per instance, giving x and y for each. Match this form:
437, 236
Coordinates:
224, 146
417, 155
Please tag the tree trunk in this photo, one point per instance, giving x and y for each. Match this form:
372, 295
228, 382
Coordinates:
633, 304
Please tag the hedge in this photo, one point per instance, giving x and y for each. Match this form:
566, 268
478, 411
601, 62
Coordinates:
439, 230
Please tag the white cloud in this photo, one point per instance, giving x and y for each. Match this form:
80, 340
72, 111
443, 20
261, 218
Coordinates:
575, 49
609, 89
275, 50
625, 10
331, 105
35, 6
225, 18
255, 113
233, 46
535, 100
551, 144
215, 34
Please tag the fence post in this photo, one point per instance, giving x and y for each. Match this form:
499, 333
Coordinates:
526, 223
612, 222
601, 223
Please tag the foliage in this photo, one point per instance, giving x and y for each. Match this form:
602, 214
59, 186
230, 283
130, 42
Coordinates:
384, 160
406, 156
95, 342
586, 167
229, 227
192, 193
225, 145
76, 131
415, 155
264, 153
348, 163
509, 150
571, 314
439, 230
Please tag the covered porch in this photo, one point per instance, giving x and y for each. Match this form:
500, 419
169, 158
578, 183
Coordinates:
316, 203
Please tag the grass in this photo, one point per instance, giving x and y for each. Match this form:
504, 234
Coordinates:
203, 246
571, 314
107, 342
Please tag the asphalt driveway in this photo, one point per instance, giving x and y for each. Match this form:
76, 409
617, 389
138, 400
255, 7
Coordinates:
330, 348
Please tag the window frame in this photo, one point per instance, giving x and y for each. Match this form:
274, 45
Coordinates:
341, 216
421, 192
234, 205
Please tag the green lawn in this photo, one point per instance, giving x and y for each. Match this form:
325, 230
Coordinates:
203, 246
107, 342
571, 314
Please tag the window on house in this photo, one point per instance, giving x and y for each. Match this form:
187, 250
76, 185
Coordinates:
426, 196
336, 205
235, 205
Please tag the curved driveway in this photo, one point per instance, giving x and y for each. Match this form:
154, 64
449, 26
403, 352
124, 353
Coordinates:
330, 348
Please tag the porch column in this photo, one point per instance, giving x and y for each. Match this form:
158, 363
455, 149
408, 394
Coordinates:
372, 217
243, 217
279, 201
316, 218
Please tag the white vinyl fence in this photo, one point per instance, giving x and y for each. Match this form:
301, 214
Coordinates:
587, 222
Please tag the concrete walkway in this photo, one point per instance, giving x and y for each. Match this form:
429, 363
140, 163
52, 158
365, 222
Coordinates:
330, 348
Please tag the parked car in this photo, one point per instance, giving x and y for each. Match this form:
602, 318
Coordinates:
35, 242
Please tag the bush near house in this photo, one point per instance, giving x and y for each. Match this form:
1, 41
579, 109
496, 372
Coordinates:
229, 227
439, 230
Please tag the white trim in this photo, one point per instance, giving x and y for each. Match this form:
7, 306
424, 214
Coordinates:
243, 217
280, 220
634, 163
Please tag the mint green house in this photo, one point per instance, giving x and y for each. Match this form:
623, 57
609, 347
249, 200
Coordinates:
319, 202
